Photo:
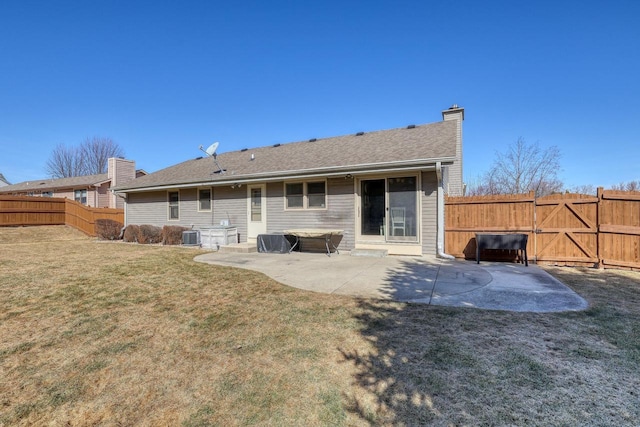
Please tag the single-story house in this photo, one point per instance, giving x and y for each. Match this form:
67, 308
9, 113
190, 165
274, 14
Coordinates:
384, 189
90, 190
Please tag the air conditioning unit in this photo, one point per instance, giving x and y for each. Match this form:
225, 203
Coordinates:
191, 238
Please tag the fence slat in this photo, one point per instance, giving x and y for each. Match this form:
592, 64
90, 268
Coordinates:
566, 229
16, 211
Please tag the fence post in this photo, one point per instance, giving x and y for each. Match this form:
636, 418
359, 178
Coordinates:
599, 242
534, 227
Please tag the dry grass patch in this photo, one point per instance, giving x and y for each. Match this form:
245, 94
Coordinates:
449, 366
95, 333
112, 333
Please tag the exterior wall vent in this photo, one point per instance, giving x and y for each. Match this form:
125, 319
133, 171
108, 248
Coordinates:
191, 238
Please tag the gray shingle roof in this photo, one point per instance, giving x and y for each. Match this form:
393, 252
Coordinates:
423, 144
52, 184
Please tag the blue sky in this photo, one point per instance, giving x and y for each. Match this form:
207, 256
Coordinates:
161, 78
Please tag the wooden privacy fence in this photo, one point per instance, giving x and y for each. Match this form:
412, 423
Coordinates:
563, 229
27, 211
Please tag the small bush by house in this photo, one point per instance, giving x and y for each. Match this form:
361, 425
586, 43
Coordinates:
131, 233
150, 234
172, 234
108, 229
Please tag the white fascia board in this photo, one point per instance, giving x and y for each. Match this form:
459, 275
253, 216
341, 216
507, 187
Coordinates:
387, 167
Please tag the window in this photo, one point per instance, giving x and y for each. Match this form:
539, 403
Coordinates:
316, 194
47, 194
80, 196
204, 199
256, 204
174, 205
306, 195
295, 196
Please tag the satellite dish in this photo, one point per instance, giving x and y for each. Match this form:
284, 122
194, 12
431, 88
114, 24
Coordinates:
211, 152
212, 149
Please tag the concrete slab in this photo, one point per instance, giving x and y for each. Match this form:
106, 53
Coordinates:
375, 253
426, 280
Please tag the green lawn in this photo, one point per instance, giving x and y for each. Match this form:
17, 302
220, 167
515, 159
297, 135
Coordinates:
97, 333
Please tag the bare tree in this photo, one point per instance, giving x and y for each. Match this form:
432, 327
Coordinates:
522, 168
627, 186
587, 189
96, 153
89, 158
65, 162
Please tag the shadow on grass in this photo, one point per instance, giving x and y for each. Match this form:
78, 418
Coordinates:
408, 368
456, 366
413, 359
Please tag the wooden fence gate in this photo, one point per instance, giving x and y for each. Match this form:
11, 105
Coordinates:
563, 229
566, 229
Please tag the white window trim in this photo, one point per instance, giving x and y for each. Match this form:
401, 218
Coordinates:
210, 199
169, 206
305, 195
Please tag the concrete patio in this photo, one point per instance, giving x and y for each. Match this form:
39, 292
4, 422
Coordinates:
425, 280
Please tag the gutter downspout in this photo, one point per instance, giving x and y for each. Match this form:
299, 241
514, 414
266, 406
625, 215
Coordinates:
440, 216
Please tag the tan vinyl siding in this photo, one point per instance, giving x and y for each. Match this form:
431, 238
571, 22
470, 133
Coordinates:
230, 204
121, 170
152, 208
455, 185
148, 208
69, 194
92, 197
456, 182
429, 212
189, 214
339, 213
104, 196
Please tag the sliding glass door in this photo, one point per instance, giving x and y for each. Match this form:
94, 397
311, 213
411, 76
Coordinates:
401, 208
388, 209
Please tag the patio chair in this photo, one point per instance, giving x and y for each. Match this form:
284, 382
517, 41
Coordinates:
398, 221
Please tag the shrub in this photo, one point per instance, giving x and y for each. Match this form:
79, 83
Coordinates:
108, 229
150, 234
172, 234
132, 233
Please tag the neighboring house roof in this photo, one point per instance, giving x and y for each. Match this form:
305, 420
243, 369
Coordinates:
60, 183
51, 184
3, 181
417, 146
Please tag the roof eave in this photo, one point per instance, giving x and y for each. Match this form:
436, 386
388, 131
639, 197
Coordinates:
422, 164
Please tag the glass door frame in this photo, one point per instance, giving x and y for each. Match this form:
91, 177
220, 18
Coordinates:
384, 236
256, 227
